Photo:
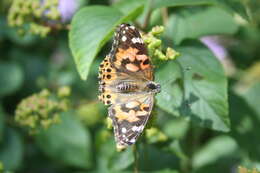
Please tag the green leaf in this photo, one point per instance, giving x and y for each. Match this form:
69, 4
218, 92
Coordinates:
215, 149
245, 126
198, 88
67, 142
11, 150
174, 3
176, 128
122, 160
11, 76
91, 28
237, 7
252, 96
196, 22
171, 95
205, 88
135, 6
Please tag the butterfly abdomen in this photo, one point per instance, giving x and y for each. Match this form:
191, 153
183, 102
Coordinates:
125, 87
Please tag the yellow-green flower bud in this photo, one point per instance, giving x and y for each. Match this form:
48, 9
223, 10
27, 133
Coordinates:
157, 30
64, 92
171, 53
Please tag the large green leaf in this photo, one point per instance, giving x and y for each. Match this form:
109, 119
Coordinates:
197, 22
205, 88
173, 3
67, 142
11, 150
11, 77
91, 28
200, 91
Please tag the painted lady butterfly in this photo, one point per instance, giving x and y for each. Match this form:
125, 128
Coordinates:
126, 85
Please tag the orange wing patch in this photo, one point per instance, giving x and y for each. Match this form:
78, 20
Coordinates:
131, 116
131, 60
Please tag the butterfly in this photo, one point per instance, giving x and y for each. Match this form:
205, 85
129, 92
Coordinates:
126, 85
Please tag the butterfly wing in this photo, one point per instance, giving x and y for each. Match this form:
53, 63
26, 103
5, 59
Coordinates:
129, 119
128, 61
129, 53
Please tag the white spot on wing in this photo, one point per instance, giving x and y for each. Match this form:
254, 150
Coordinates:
124, 32
134, 128
124, 38
132, 27
132, 104
123, 130
126, 28
137, 40
138, 129
134, 40
132, 140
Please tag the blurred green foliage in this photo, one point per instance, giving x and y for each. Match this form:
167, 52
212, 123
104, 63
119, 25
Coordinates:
206, 118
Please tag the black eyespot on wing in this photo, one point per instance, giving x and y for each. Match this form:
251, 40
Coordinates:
146, 62
109, 76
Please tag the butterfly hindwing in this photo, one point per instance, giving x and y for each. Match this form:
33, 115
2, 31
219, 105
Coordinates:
129, 119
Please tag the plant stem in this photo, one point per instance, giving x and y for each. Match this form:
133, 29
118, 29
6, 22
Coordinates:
135, 152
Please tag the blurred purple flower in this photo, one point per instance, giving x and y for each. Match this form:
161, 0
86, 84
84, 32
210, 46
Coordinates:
212, 42
67, 8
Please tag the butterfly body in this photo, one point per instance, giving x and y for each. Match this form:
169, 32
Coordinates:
126, 85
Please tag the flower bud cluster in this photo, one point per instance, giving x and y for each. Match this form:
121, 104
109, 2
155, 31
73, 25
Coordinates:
33, 16
154, 45
42, 109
